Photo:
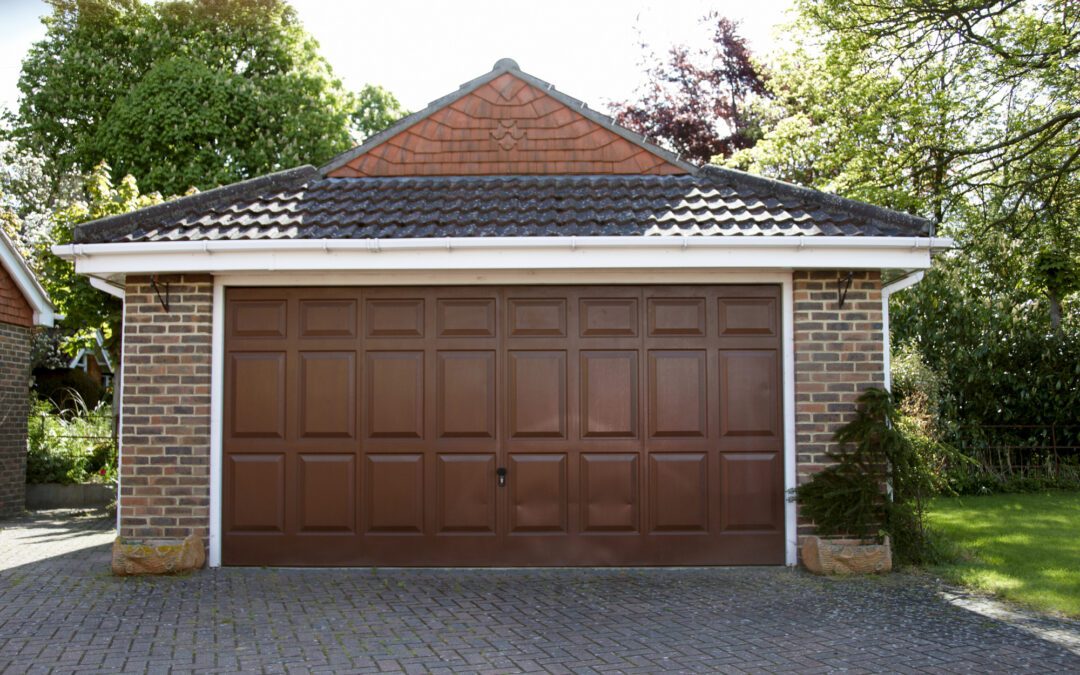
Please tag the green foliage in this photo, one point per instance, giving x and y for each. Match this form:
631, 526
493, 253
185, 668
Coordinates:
375, 109
71, 447
967, 114
87, 309
849, 496
999, 360
184, 93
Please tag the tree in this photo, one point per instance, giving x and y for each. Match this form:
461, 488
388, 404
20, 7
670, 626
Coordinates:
85, 308
695, 102
375, 109
962, 112
181, 93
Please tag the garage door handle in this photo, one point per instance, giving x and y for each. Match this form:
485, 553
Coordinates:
501, 474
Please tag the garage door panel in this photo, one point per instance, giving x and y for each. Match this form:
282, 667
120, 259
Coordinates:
536, 394
610, 499
679, 492
749, 399
609, 394
466, 394
394, 493
676, 317
608, 317
327, 394
537, 493
465, 492
395, 318
395, 394
327, 493
261, 475
257, 389
740, 316
465, 317
328, 318
257, 319
677, 390
751, 494
537, 317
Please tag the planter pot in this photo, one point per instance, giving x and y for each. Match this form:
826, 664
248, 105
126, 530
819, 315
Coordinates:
846, 556
57, 496
157, 556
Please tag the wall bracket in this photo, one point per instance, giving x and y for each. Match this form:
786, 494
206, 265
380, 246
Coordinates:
843, 285
157, 286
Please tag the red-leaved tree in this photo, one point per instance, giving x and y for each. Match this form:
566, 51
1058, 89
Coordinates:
695, 101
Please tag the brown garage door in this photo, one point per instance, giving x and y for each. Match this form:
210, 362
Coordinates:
503, 426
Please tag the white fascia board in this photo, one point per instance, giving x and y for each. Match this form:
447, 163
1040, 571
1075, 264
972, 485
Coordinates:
107, 286
505, 253
27, 283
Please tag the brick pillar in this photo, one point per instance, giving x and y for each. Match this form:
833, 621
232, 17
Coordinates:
14, 408
838, 354
165, 442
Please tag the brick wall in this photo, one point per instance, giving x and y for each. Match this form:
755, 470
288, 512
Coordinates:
14, 407
165, 443
14, 309
838, 354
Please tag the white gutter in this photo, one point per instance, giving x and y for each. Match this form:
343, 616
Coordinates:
906, 281
498, 253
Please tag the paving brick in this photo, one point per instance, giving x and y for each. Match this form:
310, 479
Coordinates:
61, 612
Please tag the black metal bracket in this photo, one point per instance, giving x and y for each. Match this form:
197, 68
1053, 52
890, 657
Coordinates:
157, 290
843, 285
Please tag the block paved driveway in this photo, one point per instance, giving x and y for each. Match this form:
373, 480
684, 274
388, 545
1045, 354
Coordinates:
61, 611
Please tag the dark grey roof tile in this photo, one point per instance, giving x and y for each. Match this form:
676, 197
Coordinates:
301, 204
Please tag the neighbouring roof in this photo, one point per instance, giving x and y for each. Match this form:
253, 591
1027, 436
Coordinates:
504, 156
26, 282
302, 204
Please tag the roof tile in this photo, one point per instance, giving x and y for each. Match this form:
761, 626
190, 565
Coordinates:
712, 203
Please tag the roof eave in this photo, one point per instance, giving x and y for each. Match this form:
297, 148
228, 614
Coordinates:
27, 283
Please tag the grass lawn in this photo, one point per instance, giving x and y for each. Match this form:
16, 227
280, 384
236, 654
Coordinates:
1023, 547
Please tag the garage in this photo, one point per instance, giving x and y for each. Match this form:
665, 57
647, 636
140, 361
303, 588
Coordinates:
503, 426
504, 331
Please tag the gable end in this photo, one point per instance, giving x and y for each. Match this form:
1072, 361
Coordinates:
505, 123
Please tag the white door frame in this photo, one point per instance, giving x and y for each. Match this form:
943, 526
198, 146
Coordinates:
480, 277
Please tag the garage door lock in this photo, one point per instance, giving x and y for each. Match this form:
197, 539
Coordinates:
501, 474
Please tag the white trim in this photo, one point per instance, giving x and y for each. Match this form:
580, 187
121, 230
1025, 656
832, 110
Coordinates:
121, 378
791, 533
525, 277
887, 290
505, 253
217, 402
107, 286
27, 283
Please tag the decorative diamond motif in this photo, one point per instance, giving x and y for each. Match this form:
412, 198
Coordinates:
507, 134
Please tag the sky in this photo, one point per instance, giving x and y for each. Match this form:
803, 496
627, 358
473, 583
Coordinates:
420, 51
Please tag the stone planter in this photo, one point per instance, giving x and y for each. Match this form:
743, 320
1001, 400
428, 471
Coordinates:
57, 496
846, 556
157, 556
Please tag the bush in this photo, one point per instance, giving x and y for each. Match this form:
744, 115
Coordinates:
851, 496
69, 447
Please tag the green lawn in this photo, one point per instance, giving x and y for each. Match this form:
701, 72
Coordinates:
1023, 547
